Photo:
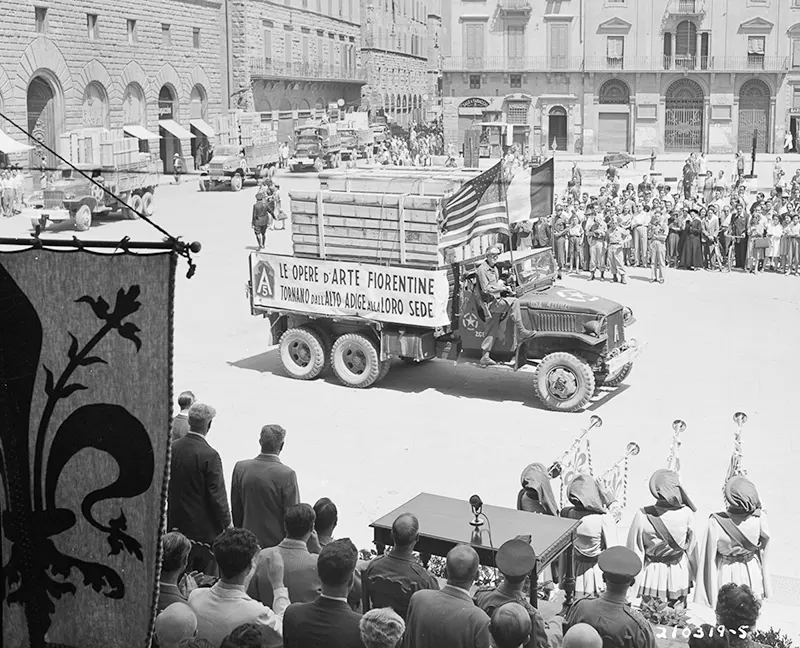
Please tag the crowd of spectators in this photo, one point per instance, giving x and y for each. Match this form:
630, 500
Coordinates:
266, 571
12, 184
417, 148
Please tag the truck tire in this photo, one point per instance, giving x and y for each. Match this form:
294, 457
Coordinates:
302, 353
148, 204
82, 218
237, 182
202, 184
564, 382
318, 165
616, 379
135, 202
355, 360
385, 366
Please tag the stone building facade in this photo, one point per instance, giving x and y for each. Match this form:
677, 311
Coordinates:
295, 59
67, 65
395, 54
671, 76
434, 86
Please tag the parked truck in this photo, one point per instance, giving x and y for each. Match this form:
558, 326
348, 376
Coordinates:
247, 150
112, 161
317, 146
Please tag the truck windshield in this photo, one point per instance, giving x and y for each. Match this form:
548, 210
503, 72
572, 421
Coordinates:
66, 174
226, 151
308, 139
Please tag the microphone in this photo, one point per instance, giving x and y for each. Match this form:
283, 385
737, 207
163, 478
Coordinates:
477, 508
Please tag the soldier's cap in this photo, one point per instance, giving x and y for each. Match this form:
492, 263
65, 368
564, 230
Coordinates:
515, 558
494, 249
619, 564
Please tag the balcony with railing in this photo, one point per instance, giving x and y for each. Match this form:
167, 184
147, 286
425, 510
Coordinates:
266, 68
514, 7
512, 64
685, 7
679, 63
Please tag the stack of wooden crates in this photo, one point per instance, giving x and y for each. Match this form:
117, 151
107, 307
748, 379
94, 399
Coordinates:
247, 126
387, 215
100, 147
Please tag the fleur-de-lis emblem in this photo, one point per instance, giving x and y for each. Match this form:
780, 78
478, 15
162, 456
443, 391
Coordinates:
37, 573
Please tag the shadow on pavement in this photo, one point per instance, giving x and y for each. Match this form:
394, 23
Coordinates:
461, 381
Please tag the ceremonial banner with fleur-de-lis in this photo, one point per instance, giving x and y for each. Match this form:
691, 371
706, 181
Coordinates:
578, 462
85, 380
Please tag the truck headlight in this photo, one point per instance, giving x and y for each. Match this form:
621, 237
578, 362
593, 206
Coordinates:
627, 316
69, 196
592, 327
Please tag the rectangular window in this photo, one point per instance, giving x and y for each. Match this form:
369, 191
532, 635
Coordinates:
41, 20
796, 52
473, 43
756, 47
474, 81
196, 37
287, 49
615, 51
516, 80
516, 46
268, 46
795, 4
796, 98
559, 45
305, 4
517, 113
91, 26
166, 35
132, 35
686, 6
341, 8
319, 6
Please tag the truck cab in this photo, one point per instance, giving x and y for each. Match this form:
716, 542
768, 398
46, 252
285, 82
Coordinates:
317, 147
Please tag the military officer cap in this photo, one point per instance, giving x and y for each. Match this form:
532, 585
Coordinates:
494, 249
515, 558
619, 564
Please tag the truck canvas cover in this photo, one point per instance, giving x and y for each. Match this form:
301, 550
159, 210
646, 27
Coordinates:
416, 297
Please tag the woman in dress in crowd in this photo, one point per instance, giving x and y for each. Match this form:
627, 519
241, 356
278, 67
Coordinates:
737, 611
708, 187
596, 532
786, 242
692, 254
793, 259
756, 229
676, 224
661, 535
736, 542
775, 234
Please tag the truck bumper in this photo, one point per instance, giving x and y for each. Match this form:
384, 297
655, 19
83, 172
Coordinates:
54, 215
631, 350
302, 161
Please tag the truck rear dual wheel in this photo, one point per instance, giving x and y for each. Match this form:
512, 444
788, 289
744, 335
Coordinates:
356, 361
82, 218
148, 203
564, 382
302, 353
135, 202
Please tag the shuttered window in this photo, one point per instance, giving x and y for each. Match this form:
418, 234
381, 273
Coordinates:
559, 45
796, 52
516, 43
473, 42
686, 39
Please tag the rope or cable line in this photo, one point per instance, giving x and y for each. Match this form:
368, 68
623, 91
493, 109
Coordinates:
178, 246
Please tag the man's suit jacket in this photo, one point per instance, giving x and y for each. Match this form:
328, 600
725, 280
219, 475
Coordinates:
299, 574
198, 503
261, 491
325, 623
445, 618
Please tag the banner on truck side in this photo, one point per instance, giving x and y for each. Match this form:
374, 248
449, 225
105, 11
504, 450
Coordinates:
341, 289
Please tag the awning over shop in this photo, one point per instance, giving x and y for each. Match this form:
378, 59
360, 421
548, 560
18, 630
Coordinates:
140, 132
203, 127
174, 128
8, 145
495, 105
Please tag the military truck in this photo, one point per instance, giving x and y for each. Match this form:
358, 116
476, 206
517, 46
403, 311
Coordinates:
356, 317
247, 150
316, 146
72, 197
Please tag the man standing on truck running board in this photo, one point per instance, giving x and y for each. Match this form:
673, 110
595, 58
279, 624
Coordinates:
497, 301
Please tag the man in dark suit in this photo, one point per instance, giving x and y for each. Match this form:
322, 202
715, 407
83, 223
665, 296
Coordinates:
448, 618
328, 622
198, 503
263, 488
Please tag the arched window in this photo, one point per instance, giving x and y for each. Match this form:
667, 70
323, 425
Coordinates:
614, 91
134, 108
686, 42
95, 106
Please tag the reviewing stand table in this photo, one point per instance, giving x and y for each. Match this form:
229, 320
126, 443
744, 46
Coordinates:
444, 522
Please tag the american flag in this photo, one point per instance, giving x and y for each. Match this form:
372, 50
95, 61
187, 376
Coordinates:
478, 208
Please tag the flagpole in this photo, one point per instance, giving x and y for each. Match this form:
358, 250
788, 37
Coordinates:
508, 215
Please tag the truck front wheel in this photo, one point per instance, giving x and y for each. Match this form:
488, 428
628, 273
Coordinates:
318, 165
564, 382
237, 182
355, 360
302, 353
82, 218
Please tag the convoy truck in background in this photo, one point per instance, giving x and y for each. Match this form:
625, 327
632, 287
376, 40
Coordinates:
247, 150
110, 159
317, 146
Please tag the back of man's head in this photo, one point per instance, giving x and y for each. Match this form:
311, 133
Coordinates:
299, 521
174, 624
327, 515
175, 551
247, 635
196, 642
272, 438
185, 400
337, 563
405, 530
200, 417
381, 628
582, 635
234, 550
462, 565
510, 626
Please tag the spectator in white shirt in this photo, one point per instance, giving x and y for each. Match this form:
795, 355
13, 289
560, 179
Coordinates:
226, 605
